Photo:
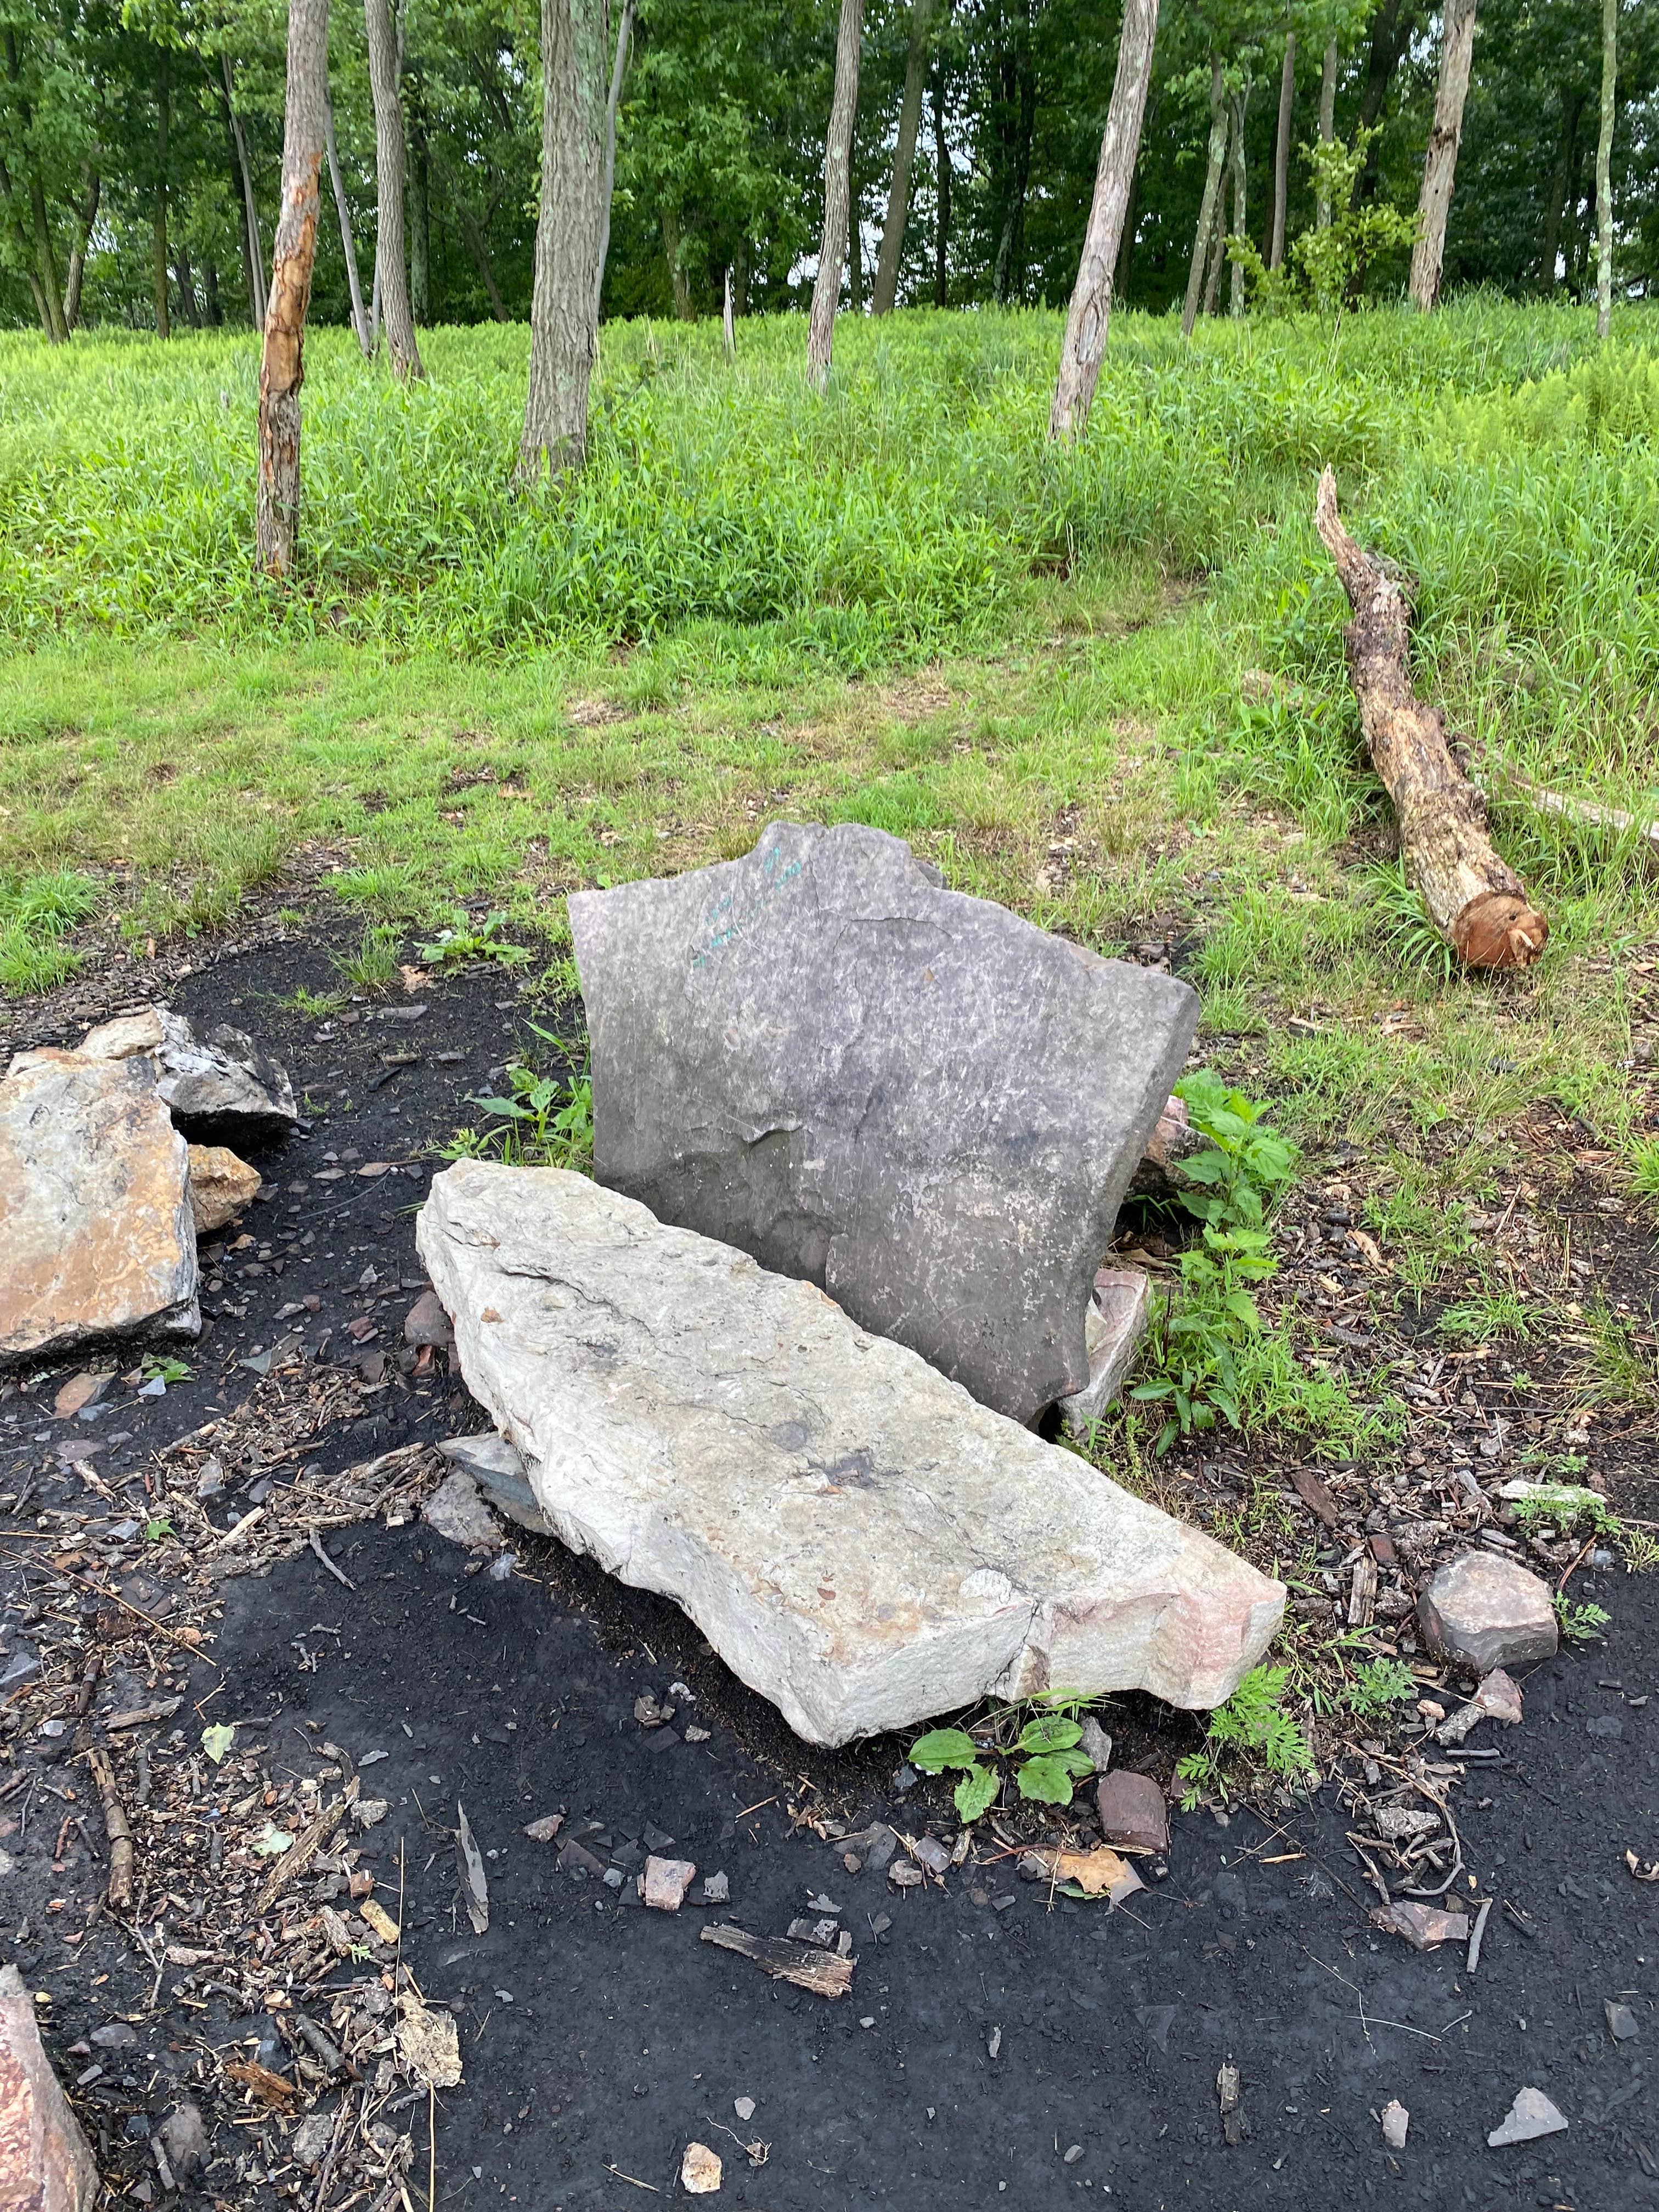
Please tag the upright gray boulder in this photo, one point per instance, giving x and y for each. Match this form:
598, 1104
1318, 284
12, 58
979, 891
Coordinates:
918, 1102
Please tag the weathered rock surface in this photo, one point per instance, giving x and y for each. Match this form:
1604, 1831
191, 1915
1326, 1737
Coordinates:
1497, 1699
217, 1086
1114, 1324
1162, 1171
460, 1514
46, 2162
1133, 1813
220, 1185
1532, 2114
914, 1099
497, 1470
1487, 1613
96, 1237
860, 1540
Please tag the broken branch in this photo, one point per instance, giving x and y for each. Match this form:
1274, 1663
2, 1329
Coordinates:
804, 1964
119, 1891
1475, 899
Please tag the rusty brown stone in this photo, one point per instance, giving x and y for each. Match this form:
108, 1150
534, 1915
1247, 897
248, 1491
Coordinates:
1134, 1815
46, 2162
220, 1185
94, 1207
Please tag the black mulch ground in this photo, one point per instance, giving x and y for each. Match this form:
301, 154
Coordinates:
997, 2044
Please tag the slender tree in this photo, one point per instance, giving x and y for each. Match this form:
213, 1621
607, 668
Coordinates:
1604, 168
837, 194
348, 244
1084, 346
1282, 152
43, 276
1440, 162
282, 369
904, 150
1241, 100
158, 262
86, 214
1206, 210
941, 192
1566, 153
1326, 128
391, 268
624, 40
575, 72
254, 246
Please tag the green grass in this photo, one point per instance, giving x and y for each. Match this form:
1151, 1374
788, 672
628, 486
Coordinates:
1104, 686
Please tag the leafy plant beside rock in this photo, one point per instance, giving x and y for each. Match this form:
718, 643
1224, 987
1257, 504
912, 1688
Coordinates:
1044, 1759
1252, 1734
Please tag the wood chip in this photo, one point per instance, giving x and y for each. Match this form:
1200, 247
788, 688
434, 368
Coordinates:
803, 1964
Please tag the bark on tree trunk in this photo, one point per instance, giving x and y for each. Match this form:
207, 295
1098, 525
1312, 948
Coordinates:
1572, 108
420, 232
1326, 128
78, 256
391, 265
186, 276
904, 153
941, 194
728, 328
1391, 35
253, 246
837, 194
1604, 168
1241, 101
1476, 902
618, 69
210, 293
159, 218
478, 245
1440, 162
1084, 346
21, 243
1008, 276
575, 69
1218, 241
46, 260
1218, 155
1282, 152
1125, 245
671, 242
348, 244
282, 369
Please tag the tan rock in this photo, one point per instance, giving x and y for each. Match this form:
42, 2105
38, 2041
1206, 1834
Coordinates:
700, 2170
94, 1207
665, 1882
46, 2162
220, 1185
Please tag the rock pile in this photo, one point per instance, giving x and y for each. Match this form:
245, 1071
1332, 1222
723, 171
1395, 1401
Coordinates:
102, 1195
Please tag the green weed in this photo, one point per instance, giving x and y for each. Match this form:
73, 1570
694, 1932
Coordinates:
467, 941
1249, 1736
371, 965
547, 1121
1581, 1623
1041, 1759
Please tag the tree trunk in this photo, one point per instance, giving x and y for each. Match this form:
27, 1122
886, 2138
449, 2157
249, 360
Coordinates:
728, 328
942, 193
1572, 106
391, 264
420, 235
837, 194
1125, 245
1391, 35
89, 214
1008, 276
478, 245
1326, 128
348, 244
1477, 903
618, 67
20, 242
253, 245
904, 153
159, 216
1440, 162
1218, 254
210, 293
42, 265
1282, 152
1218, 155
282, 369
740, 277
671, 243
186, 276
1241, 101
1084, 346
575, 67
1604, 168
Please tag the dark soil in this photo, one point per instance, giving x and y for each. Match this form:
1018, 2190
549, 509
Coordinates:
600, 2037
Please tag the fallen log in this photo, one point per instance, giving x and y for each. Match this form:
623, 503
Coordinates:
1476, 901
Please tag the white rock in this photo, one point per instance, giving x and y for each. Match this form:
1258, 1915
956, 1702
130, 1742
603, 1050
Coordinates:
458, 1512
819, 1500
1113, 1326
96, 1237
1395, 2122
1530, 2116
699, 2171
498, 1470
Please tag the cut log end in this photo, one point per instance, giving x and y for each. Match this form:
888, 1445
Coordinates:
1500, 931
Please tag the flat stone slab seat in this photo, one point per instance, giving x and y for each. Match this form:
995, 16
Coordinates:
860, 1540
97, 1238
918, 1101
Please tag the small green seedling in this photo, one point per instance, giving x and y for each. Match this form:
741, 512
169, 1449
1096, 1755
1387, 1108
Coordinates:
467, 941
1581, 1623
160, 1367
1251, 1730
157, 1531
1044, 1759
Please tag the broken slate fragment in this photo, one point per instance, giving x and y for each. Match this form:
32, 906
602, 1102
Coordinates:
498, 1470
1134, 1814
918, 1101
218, 1087
457, 1512
1396, 2120
1497, 1699
1530, 2116
426, 1322
96, 1224
1487, 1611
860, 1540
1621, 2020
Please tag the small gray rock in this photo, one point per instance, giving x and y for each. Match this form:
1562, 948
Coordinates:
184, 2136
218, 1086
1487, 1612
456, 1510
1621, 2020
1530, 2116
